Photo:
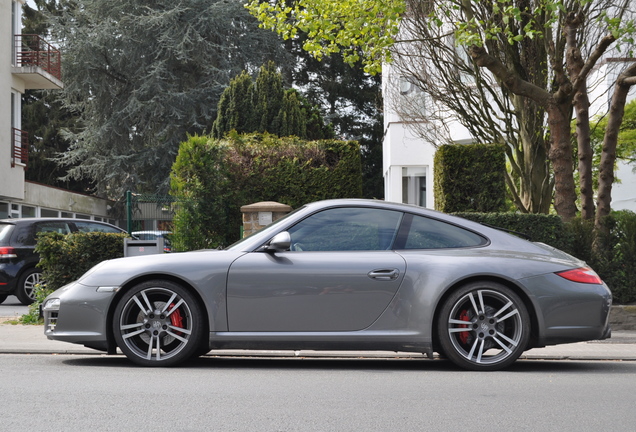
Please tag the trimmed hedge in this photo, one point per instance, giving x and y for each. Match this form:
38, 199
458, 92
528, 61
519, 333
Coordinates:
549, 229
470, 178
614, 259
211, 179
64, 258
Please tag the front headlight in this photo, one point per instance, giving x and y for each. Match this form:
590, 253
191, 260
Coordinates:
52, 305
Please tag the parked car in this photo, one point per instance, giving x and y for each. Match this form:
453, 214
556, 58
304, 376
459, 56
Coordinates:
340, 275
154, 235
18, 272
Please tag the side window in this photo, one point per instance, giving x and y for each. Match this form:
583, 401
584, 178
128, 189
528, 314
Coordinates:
346, 229
29, 237
425, 233
94, 227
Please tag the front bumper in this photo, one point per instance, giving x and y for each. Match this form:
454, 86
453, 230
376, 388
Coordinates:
78, 314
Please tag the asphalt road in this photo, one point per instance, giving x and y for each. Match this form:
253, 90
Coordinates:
62, 393
12, 307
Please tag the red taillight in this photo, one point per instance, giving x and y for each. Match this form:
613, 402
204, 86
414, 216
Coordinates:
7, 252
581, 275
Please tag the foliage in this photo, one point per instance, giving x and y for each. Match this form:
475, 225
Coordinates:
142, 75
614, 259
470, 178
64, 258
43, 116
265, 106
213, 178
548, 229
359, 29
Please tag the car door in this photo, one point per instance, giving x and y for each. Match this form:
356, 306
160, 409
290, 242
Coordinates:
340, 274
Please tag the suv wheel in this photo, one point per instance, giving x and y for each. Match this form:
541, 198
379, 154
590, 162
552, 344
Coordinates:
25, 291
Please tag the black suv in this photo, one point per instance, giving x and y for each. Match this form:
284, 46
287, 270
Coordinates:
18, 274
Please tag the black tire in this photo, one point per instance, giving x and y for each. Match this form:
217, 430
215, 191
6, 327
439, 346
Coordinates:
158, 323
496, 329
25, 291
3, 297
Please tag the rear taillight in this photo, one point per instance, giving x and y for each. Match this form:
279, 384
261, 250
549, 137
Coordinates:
581, 275
7, 252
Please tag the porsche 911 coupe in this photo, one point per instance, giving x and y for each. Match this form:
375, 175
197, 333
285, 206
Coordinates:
340, 275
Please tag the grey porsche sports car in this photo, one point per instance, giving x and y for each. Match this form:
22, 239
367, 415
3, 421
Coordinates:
340, 275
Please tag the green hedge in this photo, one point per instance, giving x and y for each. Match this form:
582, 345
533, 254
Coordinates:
614, 259
64, 258
470, 178
212, 179
549, 229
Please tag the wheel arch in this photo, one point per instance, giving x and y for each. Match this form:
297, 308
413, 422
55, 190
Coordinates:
534, 321
112, 345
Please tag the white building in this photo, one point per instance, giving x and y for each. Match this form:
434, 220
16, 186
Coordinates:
408, 157
29, 62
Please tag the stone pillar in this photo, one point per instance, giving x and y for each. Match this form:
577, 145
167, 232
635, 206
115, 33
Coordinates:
261, 214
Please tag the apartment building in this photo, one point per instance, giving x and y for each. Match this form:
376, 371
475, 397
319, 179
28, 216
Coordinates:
30, 62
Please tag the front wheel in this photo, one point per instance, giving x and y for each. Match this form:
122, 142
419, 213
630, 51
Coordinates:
158, 323
483, 326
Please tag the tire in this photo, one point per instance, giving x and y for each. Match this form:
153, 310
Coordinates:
3, 297
158, 323
483, 326
25, 291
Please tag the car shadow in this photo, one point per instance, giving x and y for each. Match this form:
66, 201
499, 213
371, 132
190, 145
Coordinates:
361, 364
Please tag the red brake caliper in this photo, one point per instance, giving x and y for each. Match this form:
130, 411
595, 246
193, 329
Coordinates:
463, 336
176, 318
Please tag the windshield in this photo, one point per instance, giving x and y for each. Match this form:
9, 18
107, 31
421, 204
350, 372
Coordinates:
268, 228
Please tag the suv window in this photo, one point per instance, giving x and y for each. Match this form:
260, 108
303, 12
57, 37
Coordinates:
426, 233
27, 235
95, 227
346, 229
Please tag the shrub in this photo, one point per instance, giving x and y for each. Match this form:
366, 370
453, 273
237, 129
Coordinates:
470, 178
64, 258
212, 179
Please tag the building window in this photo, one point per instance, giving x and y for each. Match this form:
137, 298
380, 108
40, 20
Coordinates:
4, 210
49, 213
28, 211
414, 185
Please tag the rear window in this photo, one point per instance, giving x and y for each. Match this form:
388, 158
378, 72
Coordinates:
5, 233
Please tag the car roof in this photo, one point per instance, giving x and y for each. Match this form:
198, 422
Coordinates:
20, 221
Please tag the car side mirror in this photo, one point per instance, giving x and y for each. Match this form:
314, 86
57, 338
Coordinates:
279, 243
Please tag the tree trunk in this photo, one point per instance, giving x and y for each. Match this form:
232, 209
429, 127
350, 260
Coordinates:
561, 157
608, 155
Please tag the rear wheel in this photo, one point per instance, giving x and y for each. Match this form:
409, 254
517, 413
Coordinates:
158, 323
483, 326
25, 291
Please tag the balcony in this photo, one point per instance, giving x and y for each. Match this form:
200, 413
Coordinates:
37, 62
19, 147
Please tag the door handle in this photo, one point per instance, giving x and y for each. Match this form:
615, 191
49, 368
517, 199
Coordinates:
384, 274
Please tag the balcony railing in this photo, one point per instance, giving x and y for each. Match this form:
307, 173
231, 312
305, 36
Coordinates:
32, 50
19, 147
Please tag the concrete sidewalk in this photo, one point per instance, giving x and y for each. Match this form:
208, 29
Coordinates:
30, 339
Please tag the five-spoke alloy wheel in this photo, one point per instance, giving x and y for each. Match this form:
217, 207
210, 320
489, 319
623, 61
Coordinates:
483, 326
158, 323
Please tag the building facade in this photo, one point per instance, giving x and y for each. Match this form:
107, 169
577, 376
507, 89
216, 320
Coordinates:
29, 62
